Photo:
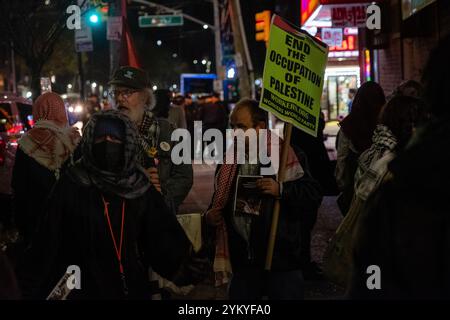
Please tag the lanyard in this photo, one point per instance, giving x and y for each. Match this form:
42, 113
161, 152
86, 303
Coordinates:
118, 250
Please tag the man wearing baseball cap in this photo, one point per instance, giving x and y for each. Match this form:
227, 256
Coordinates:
133, 97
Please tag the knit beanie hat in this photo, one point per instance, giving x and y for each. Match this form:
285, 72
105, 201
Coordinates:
110, 127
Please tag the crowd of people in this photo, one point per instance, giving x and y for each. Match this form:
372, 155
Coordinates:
106, 201
392, 175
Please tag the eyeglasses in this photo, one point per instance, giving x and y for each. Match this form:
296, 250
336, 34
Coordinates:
126, 93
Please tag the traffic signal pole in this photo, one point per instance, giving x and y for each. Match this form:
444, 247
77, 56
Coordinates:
215, 28
248, 58
218, 43
238, 36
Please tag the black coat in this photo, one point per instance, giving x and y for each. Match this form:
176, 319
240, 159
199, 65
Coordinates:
300, 199
31, 183
8, 287
405, 225
75, 232
320, 164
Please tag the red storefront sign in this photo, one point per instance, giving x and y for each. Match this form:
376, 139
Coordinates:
308, 7
349, 16
349, 43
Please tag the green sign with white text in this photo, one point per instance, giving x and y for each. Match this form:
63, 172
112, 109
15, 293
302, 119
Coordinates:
160, 21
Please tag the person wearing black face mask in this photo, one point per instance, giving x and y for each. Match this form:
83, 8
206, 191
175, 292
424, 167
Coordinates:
108, 146
105, 217
108, 154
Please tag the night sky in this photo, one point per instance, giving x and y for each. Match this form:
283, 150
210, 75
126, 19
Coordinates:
180, 45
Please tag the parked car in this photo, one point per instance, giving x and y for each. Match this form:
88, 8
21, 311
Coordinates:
15, 118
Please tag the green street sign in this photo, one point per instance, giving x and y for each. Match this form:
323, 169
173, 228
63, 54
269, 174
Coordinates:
160, 21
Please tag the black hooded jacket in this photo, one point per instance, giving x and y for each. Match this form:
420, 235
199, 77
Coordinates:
75, 231
405, 225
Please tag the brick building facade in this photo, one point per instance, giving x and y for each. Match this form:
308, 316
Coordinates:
403, 46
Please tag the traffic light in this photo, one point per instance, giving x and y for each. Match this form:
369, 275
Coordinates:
262, 25
231, 90
97, 13
94, 17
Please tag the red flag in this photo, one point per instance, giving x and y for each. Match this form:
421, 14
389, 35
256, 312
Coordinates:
128, 56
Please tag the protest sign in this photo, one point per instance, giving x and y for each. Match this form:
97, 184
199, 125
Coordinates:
294, 75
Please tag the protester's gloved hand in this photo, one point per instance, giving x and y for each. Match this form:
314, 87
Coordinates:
199, 268
193, 271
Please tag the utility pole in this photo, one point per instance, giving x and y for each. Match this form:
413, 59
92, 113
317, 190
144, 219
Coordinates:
218, 44
13, 69
81, 73
248, 58
245, 87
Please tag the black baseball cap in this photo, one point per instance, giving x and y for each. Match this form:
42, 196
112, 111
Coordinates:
130, 77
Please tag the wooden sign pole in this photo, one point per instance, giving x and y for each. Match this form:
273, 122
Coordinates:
276, 209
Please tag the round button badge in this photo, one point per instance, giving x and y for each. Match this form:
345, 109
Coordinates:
164, 146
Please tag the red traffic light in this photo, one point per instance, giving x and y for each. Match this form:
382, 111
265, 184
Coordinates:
262, 25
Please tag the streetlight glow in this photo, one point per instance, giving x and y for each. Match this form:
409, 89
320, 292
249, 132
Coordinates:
159, 42
205, 26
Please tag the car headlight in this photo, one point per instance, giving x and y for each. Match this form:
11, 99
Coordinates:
70, 109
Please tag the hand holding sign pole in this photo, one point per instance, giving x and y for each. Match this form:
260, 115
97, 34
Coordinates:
292, 86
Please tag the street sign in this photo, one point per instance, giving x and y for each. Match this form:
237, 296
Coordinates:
160, 21
114, 30
83, 38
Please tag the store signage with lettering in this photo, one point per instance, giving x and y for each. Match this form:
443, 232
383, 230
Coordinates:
332, 36
349, 43
349, 16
